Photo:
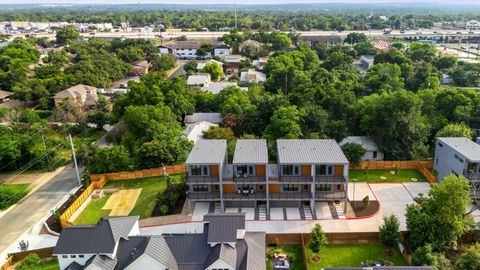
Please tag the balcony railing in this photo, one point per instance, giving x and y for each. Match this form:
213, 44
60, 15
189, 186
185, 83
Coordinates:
475, 177
475, 193
244, 196
329, 179
202, 179
329, 195
249, 179
204, 196
296, 179
290, 195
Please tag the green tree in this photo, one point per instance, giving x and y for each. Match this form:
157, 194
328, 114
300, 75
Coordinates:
318, 238
440, 219
355, 37
280, 41
337, 59
419, 51
354, 152
32, 261
219, 133
470, 260
190, 66
285, 124
389, 231
66, 34
425, 256
214, 69
113, 159
163, 62
365, 48
445, 62
384, 78
455, 130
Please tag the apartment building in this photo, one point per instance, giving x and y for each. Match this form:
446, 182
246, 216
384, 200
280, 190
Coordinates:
459, 156
306, 171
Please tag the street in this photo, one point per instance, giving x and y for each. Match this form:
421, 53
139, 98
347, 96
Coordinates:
28, 212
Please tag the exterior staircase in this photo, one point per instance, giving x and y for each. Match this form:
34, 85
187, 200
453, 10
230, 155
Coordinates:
307, 213
262, 212
339, 209
217, 208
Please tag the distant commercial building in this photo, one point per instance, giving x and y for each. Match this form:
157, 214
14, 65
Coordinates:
472, 25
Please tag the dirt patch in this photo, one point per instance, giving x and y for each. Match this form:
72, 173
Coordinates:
359, 210
53, 221
389, 252
122, 202
315, 258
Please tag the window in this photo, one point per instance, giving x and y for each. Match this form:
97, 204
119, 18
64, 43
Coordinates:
338, 187
81, 256
324, 170
64, 256
290, 170
200, 188
245, 170
456, 156
73, 256
436, 161
261, 187
461, 160
439, 144
323, 187
290, 187
199, 170
374, 154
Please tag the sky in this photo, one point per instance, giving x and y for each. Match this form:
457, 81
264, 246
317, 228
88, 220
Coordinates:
221, 1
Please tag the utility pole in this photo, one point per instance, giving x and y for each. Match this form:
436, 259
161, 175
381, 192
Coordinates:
46, 150
75, 160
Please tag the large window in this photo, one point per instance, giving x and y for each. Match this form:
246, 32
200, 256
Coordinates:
199, 170
245, 170
290, 187
324, 170
200, 188
323, 187
290, 170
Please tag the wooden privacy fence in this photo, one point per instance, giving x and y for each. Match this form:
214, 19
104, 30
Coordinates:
8, 264
43, 253
421, 165
99, 180
333, 238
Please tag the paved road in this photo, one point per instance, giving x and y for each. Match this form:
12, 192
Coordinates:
26, 214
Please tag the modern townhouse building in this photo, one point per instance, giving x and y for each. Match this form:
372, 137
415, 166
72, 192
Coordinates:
459, 156
306, 171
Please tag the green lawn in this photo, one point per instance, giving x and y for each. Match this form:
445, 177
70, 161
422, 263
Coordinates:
351, 255
144, 205
93, 212
11, 194
48, 265
375, 176
294, 253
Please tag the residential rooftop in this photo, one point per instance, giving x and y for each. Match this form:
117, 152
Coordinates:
208, 152
310, 151
252, 151
366, 141
215, 118
464, 146
217, 87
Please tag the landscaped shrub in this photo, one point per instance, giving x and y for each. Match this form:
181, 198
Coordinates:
168, 199
30, 262
389, 234
319, 239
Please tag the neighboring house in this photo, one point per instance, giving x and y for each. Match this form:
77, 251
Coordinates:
181, 49
307, 171
367, 61
446, 79
260, 63
194, 132
232, 64
83, 95
368, 144
140, 67
201, 65
460, 156
477, 140
382, 45
472, 25
217, 87
114, 244
215, 118
199, 80
255, 45
253, 76
5, 96
221, 50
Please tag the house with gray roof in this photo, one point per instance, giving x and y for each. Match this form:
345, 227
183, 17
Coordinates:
222, 244
367, 142
306, 172
199, 80
459, 156
213, 117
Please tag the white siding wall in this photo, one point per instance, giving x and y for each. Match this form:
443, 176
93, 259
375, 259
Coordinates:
445, 161
163, 51
65, 262
369, 156
135, 230
221, 52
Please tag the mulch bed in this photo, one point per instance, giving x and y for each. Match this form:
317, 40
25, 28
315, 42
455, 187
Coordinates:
361, 211
53, 222
176, 209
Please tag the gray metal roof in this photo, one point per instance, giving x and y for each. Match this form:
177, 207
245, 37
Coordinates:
223, 252
255, 242
310, 151
251, 152
215, 118
208, 152
366, 141
190, 250
464, 146
158, 249
100, 262
217, 87
74, 266
94, 239
222, 228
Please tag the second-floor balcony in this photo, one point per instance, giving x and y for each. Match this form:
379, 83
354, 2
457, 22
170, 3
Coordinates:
204, 196
475, 193
329, 195
296, 179
329, 179
473, 176
249, 179
202, 179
